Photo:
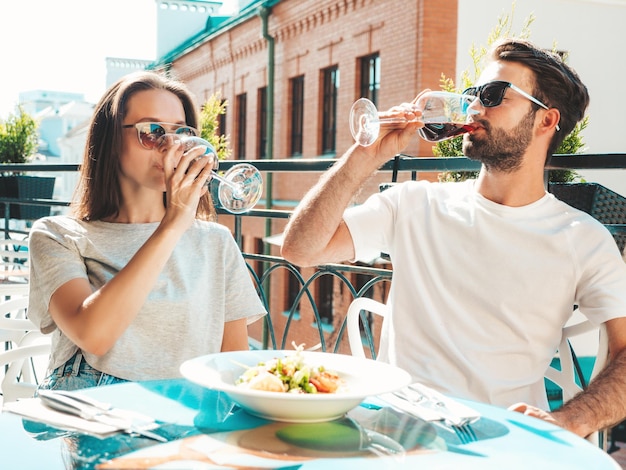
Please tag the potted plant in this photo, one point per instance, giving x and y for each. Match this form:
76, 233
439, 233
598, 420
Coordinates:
18, 143
210, 131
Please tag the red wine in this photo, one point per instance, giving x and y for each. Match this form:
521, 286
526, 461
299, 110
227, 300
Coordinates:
434, 132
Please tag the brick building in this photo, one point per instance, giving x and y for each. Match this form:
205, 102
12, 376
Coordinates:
290, 71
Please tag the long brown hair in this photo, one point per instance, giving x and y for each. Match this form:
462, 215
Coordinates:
98, 195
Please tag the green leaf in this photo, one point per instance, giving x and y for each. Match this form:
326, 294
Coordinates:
18, 137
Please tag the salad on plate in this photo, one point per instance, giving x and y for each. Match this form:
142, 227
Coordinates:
290, 374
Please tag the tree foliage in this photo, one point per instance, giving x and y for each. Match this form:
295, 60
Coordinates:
18, 137
209, 125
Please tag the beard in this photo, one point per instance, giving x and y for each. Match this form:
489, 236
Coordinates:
500, 150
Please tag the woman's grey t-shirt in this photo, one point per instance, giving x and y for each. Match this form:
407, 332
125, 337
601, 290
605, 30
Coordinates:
204, 283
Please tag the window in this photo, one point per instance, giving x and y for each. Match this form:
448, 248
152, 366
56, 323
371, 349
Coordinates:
240, 149
330, 87
297, 115
221, 119
262, 124
370, 77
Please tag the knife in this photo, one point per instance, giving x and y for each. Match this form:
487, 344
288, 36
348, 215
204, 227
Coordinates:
91, 410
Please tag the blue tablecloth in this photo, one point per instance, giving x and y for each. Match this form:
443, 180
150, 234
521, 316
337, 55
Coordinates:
208, 427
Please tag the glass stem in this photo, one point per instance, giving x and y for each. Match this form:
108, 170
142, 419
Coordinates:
236, 187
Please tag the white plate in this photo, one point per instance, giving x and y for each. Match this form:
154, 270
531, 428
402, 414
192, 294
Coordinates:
362, 378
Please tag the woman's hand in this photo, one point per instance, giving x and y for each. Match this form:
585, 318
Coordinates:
186, 177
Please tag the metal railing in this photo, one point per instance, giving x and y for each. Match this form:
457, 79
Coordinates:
326, 331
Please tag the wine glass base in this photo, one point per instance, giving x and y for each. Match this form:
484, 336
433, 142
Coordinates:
364, 124
242, 189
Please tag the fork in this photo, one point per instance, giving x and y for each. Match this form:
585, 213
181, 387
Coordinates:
461, 425
465, 433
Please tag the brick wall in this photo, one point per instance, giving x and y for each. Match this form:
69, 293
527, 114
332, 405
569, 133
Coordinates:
416, 41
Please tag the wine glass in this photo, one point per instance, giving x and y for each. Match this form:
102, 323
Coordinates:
240, 186
444, 115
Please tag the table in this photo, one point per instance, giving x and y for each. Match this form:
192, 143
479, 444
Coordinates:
206, 424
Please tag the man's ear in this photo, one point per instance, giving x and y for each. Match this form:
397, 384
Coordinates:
551, 118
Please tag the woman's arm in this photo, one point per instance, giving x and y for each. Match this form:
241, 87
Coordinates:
235, 336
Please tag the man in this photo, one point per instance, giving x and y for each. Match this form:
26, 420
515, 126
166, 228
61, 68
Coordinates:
486, 272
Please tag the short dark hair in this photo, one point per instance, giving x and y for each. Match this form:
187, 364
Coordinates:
556, 84
98, 193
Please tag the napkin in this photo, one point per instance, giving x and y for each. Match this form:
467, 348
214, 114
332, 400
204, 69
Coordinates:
427, 409
35, 410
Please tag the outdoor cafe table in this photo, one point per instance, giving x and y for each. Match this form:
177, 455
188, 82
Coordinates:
206, 426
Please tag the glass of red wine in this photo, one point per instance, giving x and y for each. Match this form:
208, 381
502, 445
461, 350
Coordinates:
444, 115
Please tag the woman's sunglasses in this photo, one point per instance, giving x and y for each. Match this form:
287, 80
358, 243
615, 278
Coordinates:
491, 94
151, 133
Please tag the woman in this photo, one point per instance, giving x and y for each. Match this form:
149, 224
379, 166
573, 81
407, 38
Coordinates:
138, 279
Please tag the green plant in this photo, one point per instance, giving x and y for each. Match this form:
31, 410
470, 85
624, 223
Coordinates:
18, 137
209, 125
573, 143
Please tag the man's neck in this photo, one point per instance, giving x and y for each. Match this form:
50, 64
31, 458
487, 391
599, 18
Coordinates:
517, 188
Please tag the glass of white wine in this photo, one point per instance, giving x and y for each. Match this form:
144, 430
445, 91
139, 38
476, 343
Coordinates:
240, 186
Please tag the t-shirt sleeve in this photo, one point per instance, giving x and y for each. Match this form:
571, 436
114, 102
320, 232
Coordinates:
601, 290
371, 224
54, 260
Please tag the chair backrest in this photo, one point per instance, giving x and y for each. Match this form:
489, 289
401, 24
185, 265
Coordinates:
568, 376
353, 324
20, 369
13, 321
10, 290
25, 353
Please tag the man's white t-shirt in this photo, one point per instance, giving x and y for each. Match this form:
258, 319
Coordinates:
481, 291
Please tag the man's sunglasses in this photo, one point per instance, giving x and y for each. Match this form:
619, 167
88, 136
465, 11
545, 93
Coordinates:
491, 94
151, 133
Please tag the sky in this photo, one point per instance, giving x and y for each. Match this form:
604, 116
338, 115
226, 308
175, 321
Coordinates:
61, 45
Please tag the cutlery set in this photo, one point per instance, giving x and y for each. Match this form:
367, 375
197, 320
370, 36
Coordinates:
430, 405
93, 410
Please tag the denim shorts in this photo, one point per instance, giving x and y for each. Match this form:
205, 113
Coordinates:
76, 374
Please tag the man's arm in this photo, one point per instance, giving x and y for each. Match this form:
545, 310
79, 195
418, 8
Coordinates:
316, 232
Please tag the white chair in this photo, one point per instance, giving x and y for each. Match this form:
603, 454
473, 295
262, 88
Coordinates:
353, 321
13, 322
11, 290
565, 378
26, 351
